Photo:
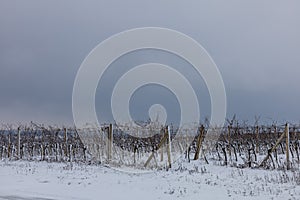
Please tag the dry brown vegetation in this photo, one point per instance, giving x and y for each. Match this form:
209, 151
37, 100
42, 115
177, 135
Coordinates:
237, 145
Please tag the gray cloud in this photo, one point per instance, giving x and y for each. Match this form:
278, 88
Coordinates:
42, 44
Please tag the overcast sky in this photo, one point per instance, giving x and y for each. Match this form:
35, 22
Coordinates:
255, 44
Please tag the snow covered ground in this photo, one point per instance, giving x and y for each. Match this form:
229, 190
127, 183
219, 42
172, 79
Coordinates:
62, 181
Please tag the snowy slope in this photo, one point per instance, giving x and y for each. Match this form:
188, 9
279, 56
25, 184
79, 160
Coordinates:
60, 181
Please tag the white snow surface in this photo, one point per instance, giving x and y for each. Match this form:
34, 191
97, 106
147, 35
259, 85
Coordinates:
26, 180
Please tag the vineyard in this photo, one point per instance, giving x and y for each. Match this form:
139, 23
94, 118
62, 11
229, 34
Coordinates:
242, 146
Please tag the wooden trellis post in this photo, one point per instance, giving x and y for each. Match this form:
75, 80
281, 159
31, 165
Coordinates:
187, 146
19, 144
287, 135
109, 142
166, 136
8, 146
169, 146
287, 140
199, 142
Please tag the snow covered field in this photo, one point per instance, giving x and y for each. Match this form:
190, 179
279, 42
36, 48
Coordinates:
62, 181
